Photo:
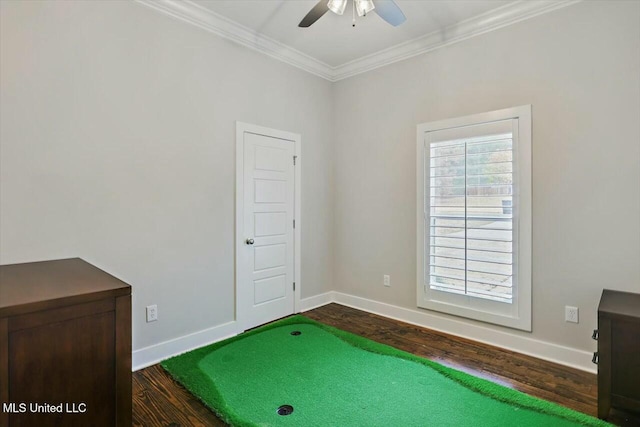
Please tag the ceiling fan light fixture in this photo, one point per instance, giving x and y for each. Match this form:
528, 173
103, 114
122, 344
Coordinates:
388, 10
337, 6
364, 6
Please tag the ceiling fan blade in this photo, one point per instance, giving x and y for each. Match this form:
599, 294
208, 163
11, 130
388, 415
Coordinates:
314, 14
390, 12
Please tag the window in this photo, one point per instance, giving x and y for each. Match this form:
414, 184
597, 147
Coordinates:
474, 217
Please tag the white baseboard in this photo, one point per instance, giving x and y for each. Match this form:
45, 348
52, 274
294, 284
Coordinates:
158, 352
316, 301
562, 355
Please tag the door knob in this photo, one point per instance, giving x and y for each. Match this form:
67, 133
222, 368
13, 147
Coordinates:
249, 241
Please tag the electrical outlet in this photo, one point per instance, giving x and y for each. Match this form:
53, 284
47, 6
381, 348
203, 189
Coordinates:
571, 314
386, 280
152, 313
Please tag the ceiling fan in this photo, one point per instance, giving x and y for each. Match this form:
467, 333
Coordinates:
386, 9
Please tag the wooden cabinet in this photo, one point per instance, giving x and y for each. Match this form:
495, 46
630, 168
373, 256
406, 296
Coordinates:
618, 355
65, 345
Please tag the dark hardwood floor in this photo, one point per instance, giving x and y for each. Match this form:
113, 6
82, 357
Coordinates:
160, 401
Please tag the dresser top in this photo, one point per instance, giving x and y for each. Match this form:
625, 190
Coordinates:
620, 303
42, 285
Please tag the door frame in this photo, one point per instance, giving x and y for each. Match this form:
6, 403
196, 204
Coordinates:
239, 237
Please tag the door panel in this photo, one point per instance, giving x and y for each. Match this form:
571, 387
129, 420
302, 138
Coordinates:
270, 223
270, 289
266, 266
270, 256
270, 191
271, 159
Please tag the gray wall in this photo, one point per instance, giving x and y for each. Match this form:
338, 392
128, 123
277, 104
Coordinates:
118, 146
579, 67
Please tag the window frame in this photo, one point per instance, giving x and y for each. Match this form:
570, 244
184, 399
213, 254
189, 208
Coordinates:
516, 315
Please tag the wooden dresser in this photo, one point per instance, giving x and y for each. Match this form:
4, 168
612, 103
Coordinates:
618, 356
65, 345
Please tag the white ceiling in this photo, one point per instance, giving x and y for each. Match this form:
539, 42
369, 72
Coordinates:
334, 50
332, 40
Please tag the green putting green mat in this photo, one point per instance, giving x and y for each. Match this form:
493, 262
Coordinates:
333, 378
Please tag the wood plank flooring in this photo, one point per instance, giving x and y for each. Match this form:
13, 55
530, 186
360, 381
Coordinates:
159, 401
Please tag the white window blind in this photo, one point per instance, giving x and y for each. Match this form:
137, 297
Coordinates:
471, 204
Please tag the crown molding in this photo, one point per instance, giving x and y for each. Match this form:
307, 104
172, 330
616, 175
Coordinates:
509, 14
208, 20
492, 20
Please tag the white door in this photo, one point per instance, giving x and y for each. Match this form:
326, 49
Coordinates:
265, 237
